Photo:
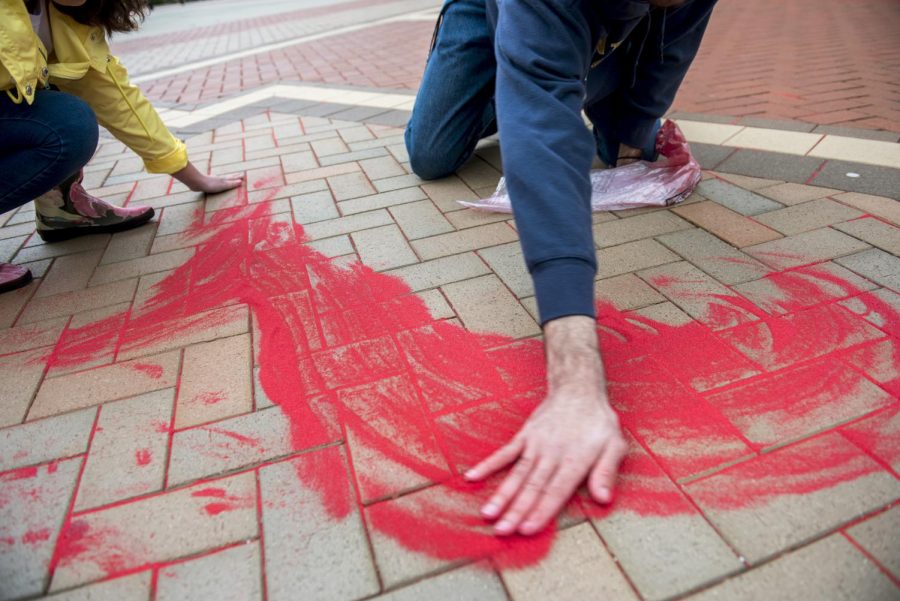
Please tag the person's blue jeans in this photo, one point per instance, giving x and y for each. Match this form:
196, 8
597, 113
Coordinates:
455, 106
42, 144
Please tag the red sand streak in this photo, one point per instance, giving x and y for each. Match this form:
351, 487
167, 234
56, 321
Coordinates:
210, 492
216, 508
247, 440
154, 371
211, 398
19, 474
33, 537
353, 350
162, 427
143, 457
226, 502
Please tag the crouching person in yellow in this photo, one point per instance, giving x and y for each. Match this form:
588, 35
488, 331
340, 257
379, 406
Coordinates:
57, 82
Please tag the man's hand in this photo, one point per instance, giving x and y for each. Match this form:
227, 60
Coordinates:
191, 177
574, 434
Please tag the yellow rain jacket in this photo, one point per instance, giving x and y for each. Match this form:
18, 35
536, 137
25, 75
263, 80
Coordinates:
81, 65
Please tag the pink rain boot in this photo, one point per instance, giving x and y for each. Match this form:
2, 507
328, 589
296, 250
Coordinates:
12, 277
68, 211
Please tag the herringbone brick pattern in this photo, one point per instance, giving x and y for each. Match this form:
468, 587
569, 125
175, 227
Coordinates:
826, 63
388, 56
273, 390
830, 63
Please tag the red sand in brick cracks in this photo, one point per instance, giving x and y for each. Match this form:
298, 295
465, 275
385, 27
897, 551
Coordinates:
347, 353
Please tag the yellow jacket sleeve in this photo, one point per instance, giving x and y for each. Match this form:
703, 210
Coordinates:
123, 109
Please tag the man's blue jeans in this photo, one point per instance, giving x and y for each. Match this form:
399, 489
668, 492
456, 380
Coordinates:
43, 144
455, 105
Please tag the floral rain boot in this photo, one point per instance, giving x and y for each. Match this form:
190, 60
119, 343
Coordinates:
68, 211
13, 276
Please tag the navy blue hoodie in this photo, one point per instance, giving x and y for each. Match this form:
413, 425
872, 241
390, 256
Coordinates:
544, 48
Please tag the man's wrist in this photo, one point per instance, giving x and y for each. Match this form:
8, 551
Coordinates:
573, 357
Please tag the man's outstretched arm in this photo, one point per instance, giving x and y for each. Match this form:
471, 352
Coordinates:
574, 434
543, 50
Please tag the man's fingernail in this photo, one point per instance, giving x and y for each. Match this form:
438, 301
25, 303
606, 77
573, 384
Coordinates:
528, 528
604, 495
470, 475
504, 527
490, 509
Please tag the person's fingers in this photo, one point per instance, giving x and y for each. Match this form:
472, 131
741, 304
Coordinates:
509, 487
603, 474
496, 460
527, 495
557, 493
215, 185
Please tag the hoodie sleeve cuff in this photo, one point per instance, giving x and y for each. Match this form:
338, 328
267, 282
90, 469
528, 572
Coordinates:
564, 287
637, 129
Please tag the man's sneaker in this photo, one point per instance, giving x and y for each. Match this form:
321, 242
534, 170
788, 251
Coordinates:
13, 276
68, 211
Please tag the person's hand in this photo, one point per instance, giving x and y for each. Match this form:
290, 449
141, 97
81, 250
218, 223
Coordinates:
213, 185
627, 155
574, 434
191, 177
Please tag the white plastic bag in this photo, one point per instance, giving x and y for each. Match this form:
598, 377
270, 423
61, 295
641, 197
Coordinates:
641, 184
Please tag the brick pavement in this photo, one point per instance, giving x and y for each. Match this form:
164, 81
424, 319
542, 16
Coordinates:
825, 64
174, 49
385, 56
209, 407
273, 390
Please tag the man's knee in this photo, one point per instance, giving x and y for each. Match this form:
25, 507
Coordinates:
429, 167
426, 159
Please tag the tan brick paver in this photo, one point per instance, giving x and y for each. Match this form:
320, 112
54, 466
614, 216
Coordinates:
830, 568
732, 227
579, 567
202, 517
109, 383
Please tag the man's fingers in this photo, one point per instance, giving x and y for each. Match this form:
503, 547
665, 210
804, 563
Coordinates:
603, 475
526, 496
509, 487
496, 460
557, 493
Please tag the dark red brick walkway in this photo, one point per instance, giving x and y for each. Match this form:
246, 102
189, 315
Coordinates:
826, 62
383, 56
231, 27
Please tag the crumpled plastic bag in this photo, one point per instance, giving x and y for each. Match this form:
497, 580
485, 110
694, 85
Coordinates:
641, 184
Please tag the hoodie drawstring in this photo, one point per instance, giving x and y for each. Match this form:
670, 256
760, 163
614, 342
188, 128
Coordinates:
662, 38
640, 50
